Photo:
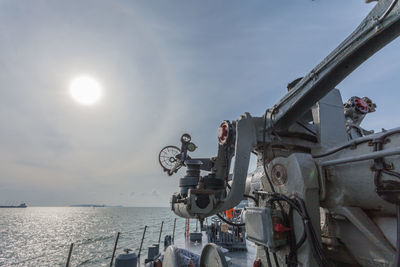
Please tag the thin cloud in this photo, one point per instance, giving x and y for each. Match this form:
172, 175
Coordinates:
166, 69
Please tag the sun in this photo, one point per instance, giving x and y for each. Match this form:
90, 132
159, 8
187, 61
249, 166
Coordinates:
85, 90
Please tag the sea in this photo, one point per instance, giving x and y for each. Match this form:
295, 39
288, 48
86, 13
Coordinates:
41, 236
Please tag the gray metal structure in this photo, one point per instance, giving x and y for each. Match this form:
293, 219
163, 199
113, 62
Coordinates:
327, 190
229, 237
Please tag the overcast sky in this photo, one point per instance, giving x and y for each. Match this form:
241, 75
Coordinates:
166, 67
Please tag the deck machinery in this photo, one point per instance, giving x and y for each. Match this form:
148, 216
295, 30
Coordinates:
327, 191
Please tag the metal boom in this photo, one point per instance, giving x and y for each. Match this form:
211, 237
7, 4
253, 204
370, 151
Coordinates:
380, 27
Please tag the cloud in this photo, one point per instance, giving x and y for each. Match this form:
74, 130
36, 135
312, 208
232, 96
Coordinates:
176, 68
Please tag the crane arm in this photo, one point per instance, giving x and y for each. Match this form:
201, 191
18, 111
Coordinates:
380, 27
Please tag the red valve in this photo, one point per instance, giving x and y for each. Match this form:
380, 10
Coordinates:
257, 263
280, 228
223, 132
361, 105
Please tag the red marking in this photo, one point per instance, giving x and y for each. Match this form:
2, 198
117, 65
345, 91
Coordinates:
361, 104
280, 228
187, 226
223, 132
257, 263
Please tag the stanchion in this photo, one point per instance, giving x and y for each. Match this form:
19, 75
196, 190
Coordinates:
69, 254
141, 244
115, 248
187, 228
159, 237
173, 233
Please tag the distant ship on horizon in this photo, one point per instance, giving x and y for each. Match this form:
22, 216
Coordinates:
88, 205
22, 205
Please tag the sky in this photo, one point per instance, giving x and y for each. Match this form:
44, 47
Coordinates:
166, 68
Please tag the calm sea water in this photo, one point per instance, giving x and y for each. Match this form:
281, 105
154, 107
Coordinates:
41, 236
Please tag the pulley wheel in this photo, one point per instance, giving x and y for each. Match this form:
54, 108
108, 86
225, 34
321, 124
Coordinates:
212, 256
167, 157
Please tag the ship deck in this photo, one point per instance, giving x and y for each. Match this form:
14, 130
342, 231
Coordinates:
234, 258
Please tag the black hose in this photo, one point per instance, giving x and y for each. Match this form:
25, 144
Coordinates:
277, 197
378, 146
397, 261
301, 241
248, 196
291, 258
230, 223
392, 173
309, 233
333, 151
253, 198
316, 246
275, 259
265, 152
268, 257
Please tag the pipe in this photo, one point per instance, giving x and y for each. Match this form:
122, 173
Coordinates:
397, 261
373, 155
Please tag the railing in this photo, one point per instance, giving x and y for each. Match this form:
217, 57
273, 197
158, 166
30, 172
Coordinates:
64, 253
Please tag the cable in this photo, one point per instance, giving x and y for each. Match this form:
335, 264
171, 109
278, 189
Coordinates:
397, 261
387, 11
392, 173
253, 198
291, 259
277, 197
230, 223
302, 240
270, 182
265, 152
333, 151
309, 233
268, 257
275, 259
318, 253
245, 195
384, 191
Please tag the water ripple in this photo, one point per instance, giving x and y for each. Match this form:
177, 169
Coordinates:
38, 236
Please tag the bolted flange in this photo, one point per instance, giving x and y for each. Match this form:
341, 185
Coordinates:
279, 174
